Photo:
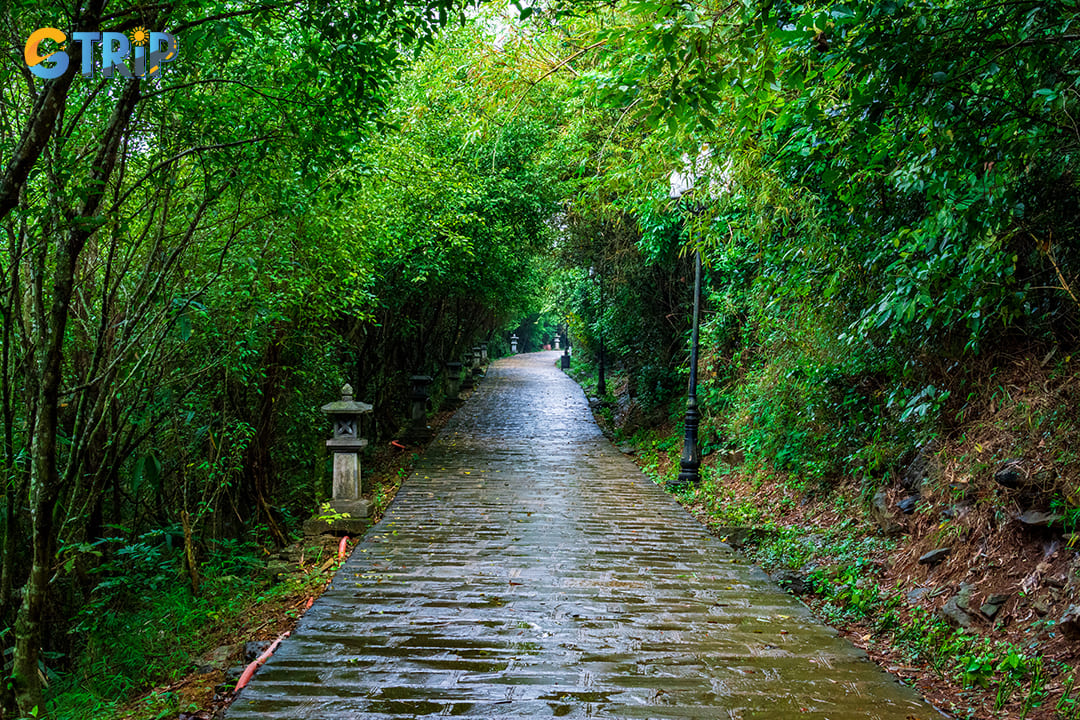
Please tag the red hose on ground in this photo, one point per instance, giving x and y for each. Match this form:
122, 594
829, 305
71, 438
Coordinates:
342, 547
249, 671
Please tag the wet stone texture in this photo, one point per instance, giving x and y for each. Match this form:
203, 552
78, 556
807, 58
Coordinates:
528, 569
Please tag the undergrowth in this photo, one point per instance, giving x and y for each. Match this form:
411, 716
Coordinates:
843, 575
145, 626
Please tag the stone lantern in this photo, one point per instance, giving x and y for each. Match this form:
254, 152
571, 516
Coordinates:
420, 395
557, 342
477, 364
453, 381
466, 361
513, 343
483, 353
346, 446
417, 431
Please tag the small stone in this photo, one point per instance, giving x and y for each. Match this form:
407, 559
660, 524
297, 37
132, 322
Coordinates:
935, 556
254, 648
992, 605
627, 448
793, 582
1036, 519
1056, 581
916, 594
963, 597
221, 656
954, 610
1011, 474
291, 554
989, 610
883, 516
276, 570
924, 467
907, 505
1069, 624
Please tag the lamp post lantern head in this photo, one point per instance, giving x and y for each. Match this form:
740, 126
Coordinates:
684, 181
680, 183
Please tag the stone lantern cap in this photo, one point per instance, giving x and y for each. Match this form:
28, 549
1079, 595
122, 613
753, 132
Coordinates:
452, 366
419, 386
346, 405
346, 414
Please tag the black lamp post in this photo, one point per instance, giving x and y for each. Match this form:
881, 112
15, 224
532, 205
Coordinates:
690, 462
682, 183
601, 385
564, 361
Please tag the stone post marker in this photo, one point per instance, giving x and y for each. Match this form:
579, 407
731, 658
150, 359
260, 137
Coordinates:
466, 361
346, 446
557, 343
453, 381
513, 343
483, 353
477, 364
419, 396
418, 431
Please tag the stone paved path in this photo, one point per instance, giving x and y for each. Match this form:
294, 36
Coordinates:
528, 569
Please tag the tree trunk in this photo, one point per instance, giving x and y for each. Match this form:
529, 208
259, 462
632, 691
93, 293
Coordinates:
44, 476
189, 552
44, 490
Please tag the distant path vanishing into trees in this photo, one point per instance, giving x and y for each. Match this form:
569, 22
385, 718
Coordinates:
529, 569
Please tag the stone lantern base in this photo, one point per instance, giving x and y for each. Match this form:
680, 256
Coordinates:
416, 434
351, 526
354, 508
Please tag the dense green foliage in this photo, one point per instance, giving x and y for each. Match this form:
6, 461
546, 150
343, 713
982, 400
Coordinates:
889, 196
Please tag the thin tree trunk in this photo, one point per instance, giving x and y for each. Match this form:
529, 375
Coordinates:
44, 475
189, 552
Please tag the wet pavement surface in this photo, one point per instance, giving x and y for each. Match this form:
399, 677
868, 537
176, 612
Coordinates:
529, 569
